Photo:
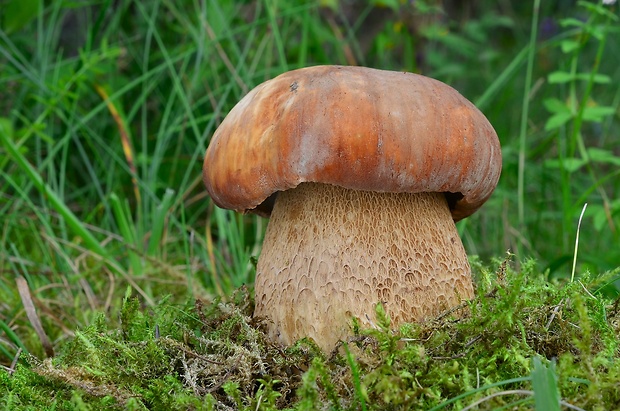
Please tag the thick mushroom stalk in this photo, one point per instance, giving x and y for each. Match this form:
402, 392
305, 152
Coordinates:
332, 253
347, 153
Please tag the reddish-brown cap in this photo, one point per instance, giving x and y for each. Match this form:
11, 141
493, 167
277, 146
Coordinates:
355, 127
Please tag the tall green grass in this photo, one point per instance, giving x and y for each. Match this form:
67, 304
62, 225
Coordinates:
106, 111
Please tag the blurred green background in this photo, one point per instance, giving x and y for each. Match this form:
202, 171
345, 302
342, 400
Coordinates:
107, 107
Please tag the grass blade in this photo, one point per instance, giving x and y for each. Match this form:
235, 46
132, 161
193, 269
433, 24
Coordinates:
158, 222
33, 317
122, 214
13, 337
479, 389
359, 391
572, 275
545, 384
125, 140
525, 114
72, 221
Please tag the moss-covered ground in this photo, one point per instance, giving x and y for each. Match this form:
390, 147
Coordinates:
212, 355
106, 110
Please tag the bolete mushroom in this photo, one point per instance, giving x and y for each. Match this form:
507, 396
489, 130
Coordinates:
363, 173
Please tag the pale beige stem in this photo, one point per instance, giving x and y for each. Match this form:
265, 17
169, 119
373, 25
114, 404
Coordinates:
331, 253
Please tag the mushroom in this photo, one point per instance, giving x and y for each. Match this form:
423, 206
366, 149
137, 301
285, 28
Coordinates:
363, 173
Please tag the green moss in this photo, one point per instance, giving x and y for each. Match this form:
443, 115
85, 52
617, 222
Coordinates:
213, 355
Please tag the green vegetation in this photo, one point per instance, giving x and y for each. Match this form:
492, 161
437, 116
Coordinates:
524, 342
116, 265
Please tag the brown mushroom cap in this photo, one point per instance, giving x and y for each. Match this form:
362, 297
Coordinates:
355, 127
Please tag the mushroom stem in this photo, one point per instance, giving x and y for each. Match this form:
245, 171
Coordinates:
331, 254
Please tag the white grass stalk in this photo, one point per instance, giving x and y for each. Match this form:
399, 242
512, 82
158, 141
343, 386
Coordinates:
572, 275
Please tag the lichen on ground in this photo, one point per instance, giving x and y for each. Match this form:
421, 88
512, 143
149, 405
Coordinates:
213, 355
